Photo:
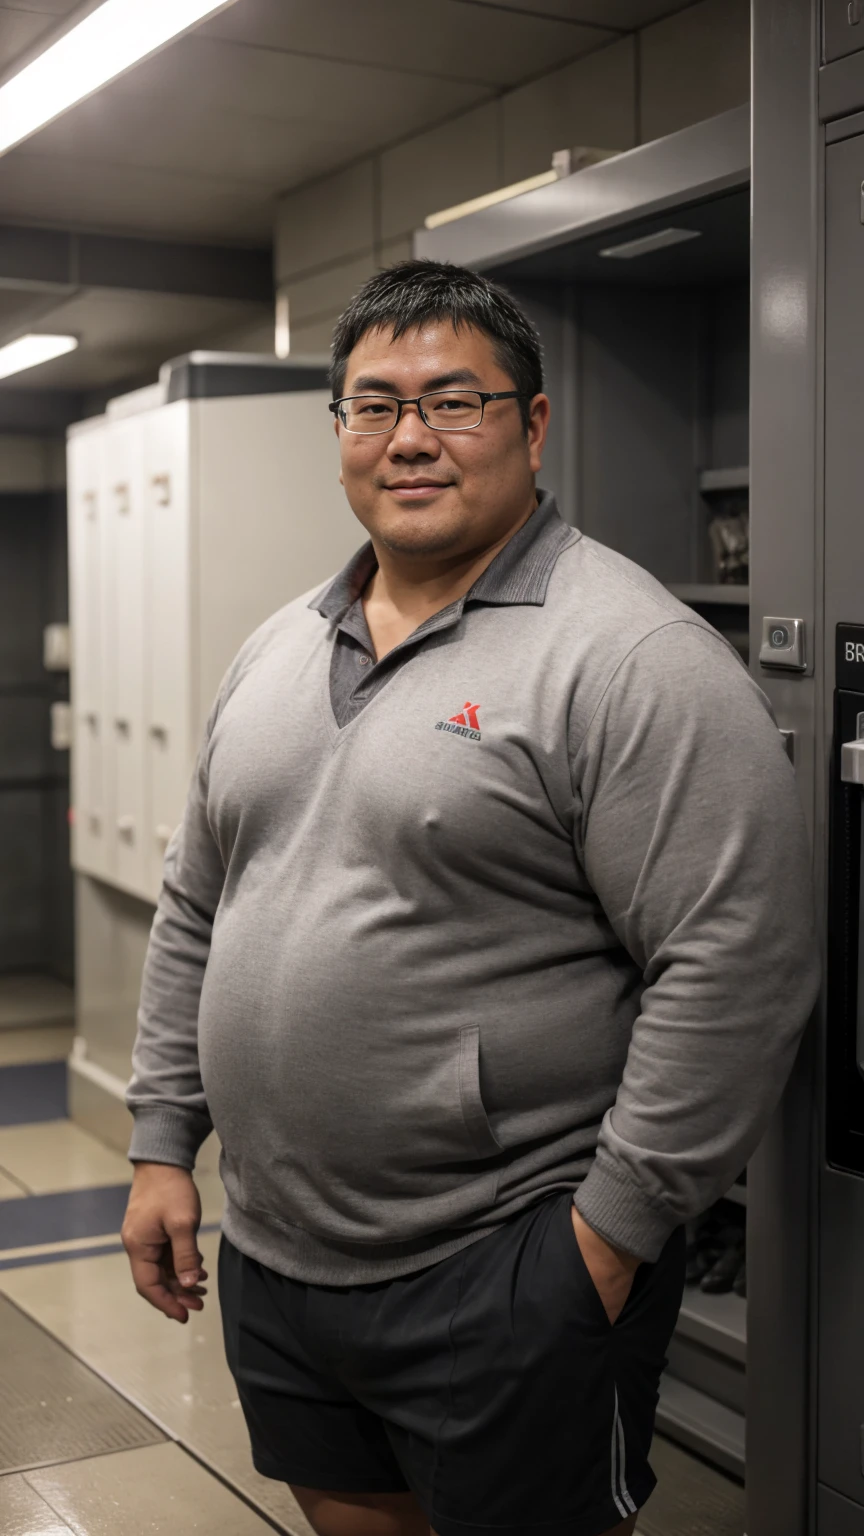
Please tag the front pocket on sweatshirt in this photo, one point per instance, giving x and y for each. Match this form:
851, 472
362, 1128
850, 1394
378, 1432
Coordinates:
474, 1114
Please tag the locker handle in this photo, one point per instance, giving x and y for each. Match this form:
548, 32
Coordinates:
126, 827
121, 491
122, 725
159, 732
162, 483
164, 833
852, 761
90, 717
89, 500
94, 821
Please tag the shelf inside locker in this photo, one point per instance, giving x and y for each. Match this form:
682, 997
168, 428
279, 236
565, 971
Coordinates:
701, 1424
717, 1322
698, 594
734, 479
737, 1193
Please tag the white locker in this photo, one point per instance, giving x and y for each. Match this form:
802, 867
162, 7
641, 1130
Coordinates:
89, 789
168, 745
123, 498
196, 510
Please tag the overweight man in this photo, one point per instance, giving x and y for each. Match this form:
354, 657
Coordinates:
485, 944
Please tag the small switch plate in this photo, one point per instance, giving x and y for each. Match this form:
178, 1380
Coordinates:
783, 644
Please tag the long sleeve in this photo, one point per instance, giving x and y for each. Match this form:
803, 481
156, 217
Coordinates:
694, 841
166, 1094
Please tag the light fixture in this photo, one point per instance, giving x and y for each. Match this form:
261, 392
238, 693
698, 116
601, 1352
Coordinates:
489, 199
656, 242
29, 351
104, 45
282, 339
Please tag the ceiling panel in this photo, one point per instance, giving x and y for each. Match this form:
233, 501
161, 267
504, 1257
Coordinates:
625, 15
20, 30
21, 310
279, 120
446, 38
41, 7
126, 335
87, 195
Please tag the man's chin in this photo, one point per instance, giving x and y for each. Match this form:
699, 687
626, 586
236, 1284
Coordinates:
419, 536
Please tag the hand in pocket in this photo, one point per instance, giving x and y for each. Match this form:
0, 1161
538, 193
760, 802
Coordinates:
612, 1270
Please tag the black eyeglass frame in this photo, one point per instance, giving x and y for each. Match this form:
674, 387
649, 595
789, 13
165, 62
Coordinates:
483, 395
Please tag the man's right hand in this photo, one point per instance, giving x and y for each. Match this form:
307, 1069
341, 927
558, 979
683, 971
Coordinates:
159, 1234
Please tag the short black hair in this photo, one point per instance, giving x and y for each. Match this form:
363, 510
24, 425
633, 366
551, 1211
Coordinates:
412, 293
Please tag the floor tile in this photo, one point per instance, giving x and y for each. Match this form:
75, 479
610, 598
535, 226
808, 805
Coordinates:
177, 1375
75, 1213
42, 1042
691, 1499
33, 1091
57, 1155
54, 1408
33, 999
9, 1189
24, 1513
159, 1489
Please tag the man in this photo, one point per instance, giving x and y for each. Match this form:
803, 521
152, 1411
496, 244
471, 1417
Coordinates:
486, 945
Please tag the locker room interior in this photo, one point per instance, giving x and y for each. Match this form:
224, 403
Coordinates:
674, 190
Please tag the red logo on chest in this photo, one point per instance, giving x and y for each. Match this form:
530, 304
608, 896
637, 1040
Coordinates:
465, 723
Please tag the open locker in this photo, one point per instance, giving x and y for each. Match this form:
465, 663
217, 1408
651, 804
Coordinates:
636, 273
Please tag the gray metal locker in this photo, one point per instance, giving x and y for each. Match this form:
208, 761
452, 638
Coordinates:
636, 273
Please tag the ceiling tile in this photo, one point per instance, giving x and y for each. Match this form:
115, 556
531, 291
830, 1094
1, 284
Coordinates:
42, 7
125, 199
444, 38
280, 119
19, 30
626, 15
124, 334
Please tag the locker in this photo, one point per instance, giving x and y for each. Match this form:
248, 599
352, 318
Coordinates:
168, 746
123, 500
197, 509
90, 808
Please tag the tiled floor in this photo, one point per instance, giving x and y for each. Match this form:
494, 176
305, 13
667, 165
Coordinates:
123, 1371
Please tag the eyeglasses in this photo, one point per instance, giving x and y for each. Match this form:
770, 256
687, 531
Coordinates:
445, 410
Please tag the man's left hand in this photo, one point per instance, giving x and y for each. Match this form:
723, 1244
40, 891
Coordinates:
611, 1269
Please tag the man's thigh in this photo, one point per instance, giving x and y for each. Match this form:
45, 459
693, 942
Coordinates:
489, 1387
540, 1415
398, 1514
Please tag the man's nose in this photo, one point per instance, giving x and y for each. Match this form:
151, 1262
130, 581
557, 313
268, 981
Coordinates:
411, 437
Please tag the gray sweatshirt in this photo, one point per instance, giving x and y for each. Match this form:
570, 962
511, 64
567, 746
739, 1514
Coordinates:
537, 918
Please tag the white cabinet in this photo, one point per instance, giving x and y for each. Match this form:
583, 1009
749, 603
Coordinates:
190, 523
169, 746
123, 600
90, 798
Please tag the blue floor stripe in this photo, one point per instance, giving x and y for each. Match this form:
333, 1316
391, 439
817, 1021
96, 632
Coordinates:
33, 1092
69, 1254
61, 1217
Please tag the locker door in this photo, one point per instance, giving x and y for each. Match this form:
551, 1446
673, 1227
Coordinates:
841, 1243
168, 748
124, 528
90, 808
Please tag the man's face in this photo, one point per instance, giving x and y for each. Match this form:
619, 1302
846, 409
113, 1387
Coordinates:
423, 493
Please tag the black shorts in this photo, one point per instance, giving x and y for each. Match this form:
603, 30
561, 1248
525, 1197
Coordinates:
491, 1384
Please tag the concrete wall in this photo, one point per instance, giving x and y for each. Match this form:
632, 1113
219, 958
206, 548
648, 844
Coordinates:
334, 233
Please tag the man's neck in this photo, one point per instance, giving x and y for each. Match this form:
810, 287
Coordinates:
403, 593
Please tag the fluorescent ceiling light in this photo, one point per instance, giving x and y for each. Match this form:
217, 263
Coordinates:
28, 351
630, 248
488, 200
102, 46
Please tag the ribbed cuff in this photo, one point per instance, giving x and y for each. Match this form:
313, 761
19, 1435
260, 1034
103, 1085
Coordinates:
165, 1134
622, 1213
